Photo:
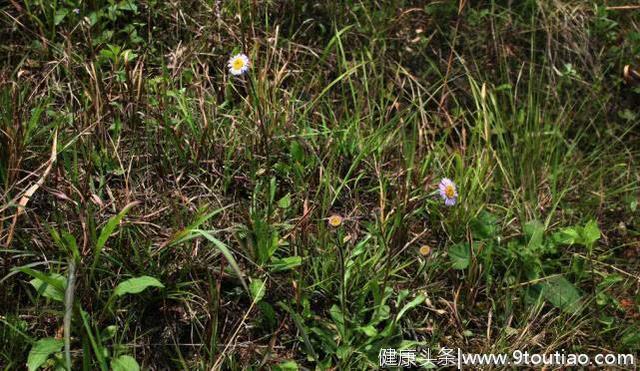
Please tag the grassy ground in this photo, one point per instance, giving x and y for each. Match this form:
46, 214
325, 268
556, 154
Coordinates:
157, 210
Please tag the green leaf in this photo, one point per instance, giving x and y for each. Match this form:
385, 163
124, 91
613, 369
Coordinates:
96, 345
410, 305
257, 288
534, 230
41, 350
336, 314
402, 295
484, 226
285, 202
285, 264
266, 239
108, 332
610, 280
368, 330
460, 256
136, 285
590, 233
586, 235
627, 114
227, 254
70, 243
111, 225
129, 56
49, 287
562, 294
326, 339
272, 189
61, 13
286, 366
124, 363
187, 233
343, 351
631, 337
296, 151
268, 315
567, 236
128, 5
299, 322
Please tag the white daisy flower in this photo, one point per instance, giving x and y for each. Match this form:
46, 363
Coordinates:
448, 191
238, 64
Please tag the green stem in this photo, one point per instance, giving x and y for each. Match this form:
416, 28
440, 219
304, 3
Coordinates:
68, 313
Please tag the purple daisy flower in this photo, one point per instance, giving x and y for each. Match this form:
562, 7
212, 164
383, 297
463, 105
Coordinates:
448, 191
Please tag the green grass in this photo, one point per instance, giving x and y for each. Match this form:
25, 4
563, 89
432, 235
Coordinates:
177, 216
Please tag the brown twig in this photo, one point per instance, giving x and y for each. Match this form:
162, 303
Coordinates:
623, 7
31, 190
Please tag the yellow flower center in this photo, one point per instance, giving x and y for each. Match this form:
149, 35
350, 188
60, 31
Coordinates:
335, 220
425, 250
449, 191
237, 63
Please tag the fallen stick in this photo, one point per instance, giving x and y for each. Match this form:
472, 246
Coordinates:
623, 7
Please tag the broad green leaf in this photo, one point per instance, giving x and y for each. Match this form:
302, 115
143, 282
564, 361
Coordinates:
124, 363
336, 314
136, 285
562, 294
285, 202
296, 151
128, 5
49, 287
257, 288
484, 226
567, 236
285, 264
129, 56
368, 330
327, 341
42, 276
590, 233
41, 350
61, 13
384, 312
108, 332
286, 366
343, 351
534, 230
460, 256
